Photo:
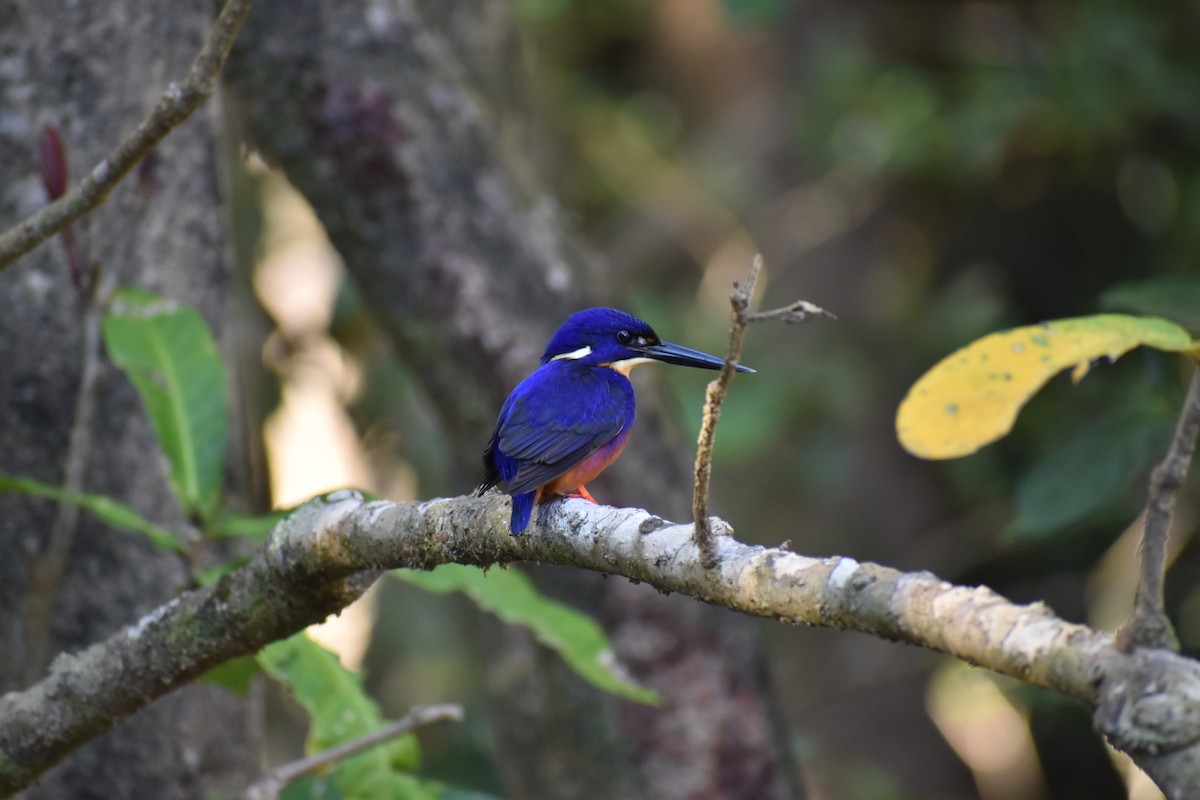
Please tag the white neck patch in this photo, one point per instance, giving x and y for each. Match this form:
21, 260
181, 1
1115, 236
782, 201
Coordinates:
575, 354
627, 364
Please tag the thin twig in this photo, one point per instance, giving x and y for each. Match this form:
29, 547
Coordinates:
714, 395
176, 105
270, 785
1149, 625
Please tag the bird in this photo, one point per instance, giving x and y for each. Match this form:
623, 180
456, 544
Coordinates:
570, 419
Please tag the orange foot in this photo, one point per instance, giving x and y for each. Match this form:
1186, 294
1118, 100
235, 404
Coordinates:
582, 493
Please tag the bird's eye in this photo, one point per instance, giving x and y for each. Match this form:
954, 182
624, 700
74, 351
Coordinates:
624, 337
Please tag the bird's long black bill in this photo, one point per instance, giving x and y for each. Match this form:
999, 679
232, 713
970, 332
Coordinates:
685, 356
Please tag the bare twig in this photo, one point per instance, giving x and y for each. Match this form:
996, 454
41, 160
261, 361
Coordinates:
176, 105
1149, 625
270, 785
714, 395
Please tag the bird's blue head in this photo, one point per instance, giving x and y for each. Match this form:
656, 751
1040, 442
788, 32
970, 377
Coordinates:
608, 337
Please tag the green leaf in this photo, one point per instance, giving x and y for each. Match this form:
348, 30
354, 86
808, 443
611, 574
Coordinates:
104, 508
1175, 297
236, 675
756, 12
169, 354
971, 398
339, 711
207, 576
443, 792
512, 597
1071, 482
255, 528
311, 787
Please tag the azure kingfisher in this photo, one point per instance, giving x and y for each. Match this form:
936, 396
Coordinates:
565, 423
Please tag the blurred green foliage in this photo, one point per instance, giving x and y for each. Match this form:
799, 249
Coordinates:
930, 172
339, 712
1176, 297
510, 595
1074, 480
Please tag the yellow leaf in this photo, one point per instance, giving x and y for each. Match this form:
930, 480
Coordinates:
971, 397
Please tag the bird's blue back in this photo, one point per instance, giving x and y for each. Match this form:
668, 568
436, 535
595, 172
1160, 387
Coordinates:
555, 419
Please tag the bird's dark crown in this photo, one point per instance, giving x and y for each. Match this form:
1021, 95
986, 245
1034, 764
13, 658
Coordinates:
599, 336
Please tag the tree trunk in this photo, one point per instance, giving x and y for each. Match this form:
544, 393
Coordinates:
93, 70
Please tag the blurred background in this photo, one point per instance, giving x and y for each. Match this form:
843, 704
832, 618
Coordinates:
930, 172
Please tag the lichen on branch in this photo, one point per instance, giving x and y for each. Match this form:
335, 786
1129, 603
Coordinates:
316, 558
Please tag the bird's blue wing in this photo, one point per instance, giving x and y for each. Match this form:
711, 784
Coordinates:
553, 420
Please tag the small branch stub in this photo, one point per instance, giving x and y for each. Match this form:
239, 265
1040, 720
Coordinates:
714, 396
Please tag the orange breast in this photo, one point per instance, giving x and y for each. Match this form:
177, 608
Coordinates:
586, 470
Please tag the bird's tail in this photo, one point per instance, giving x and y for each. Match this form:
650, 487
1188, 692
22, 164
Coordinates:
522, 509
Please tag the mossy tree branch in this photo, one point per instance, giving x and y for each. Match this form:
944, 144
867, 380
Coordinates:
1146, 702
